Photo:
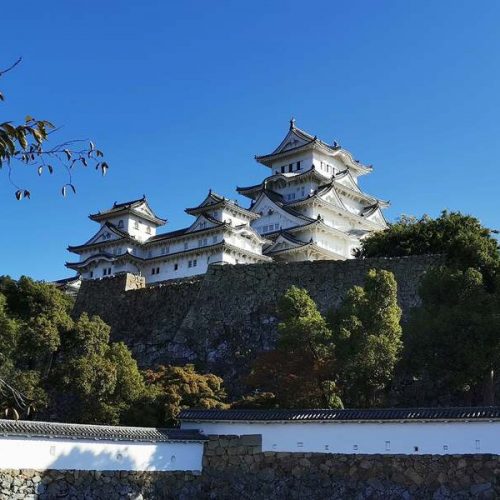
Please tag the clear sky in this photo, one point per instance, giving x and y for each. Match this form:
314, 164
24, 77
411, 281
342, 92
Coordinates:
182, 95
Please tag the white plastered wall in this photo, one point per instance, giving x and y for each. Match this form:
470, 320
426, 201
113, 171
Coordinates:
40, 454
368, 438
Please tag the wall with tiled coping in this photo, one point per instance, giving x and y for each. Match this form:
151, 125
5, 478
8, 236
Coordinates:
235, 467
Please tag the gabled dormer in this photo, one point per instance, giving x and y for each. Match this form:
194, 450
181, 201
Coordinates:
135, 217
223, 210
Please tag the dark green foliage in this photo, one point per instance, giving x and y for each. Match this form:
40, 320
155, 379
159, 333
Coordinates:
367, 333
300, 372
453, 339
460, 238
61, 369
100, 380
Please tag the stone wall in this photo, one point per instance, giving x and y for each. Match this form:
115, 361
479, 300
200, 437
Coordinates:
235, 467
222, 319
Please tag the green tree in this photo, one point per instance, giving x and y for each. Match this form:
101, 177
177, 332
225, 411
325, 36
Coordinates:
462, 239
98, 380
301, 371
170, 389
367, 334
453, 340
25, 143
33, 317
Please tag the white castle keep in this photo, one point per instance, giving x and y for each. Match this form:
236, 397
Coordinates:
310, 207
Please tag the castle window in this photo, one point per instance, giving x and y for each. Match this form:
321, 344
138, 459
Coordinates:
176, 266
136, 224
298, 165
283, 169
290, 167
120, 223
190, 263
91, 274
195, 263
186, 245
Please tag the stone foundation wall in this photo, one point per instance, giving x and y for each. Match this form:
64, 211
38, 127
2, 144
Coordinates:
235, 467
222, 319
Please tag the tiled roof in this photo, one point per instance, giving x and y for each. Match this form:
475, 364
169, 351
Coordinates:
475, 413
95, 432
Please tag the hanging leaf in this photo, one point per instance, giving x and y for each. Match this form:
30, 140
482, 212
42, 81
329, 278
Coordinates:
50, 169
19, 194
73, 188
40, 170
99, 153
1, 97
28, 118
84, 161
91, 145
68, 154
27, 194
104, 167
63, 191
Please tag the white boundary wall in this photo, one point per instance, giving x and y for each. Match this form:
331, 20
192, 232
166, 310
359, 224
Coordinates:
79, 454
438, 438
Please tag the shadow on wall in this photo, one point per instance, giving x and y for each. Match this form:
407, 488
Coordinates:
90, 460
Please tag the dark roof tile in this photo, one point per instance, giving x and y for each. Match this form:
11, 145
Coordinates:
466, 413
95, 432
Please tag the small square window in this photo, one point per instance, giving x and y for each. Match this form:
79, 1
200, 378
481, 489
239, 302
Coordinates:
195, 262
91, 274
176, 266
136, 225
283, 169
186, 245
190, 263
290, 167
148, 229
298, 165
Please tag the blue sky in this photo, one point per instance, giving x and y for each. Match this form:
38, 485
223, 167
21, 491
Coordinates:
182, 95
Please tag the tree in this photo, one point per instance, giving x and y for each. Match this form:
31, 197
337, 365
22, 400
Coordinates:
460, 238
301, 371
367, 334
99, 380
33, 317
453, 340
25, 144
170, 389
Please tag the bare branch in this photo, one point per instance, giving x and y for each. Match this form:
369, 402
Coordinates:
11, 67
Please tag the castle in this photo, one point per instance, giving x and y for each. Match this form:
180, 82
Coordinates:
310, 207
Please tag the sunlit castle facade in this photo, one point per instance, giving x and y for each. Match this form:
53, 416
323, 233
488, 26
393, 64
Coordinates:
310, 207
127, 241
